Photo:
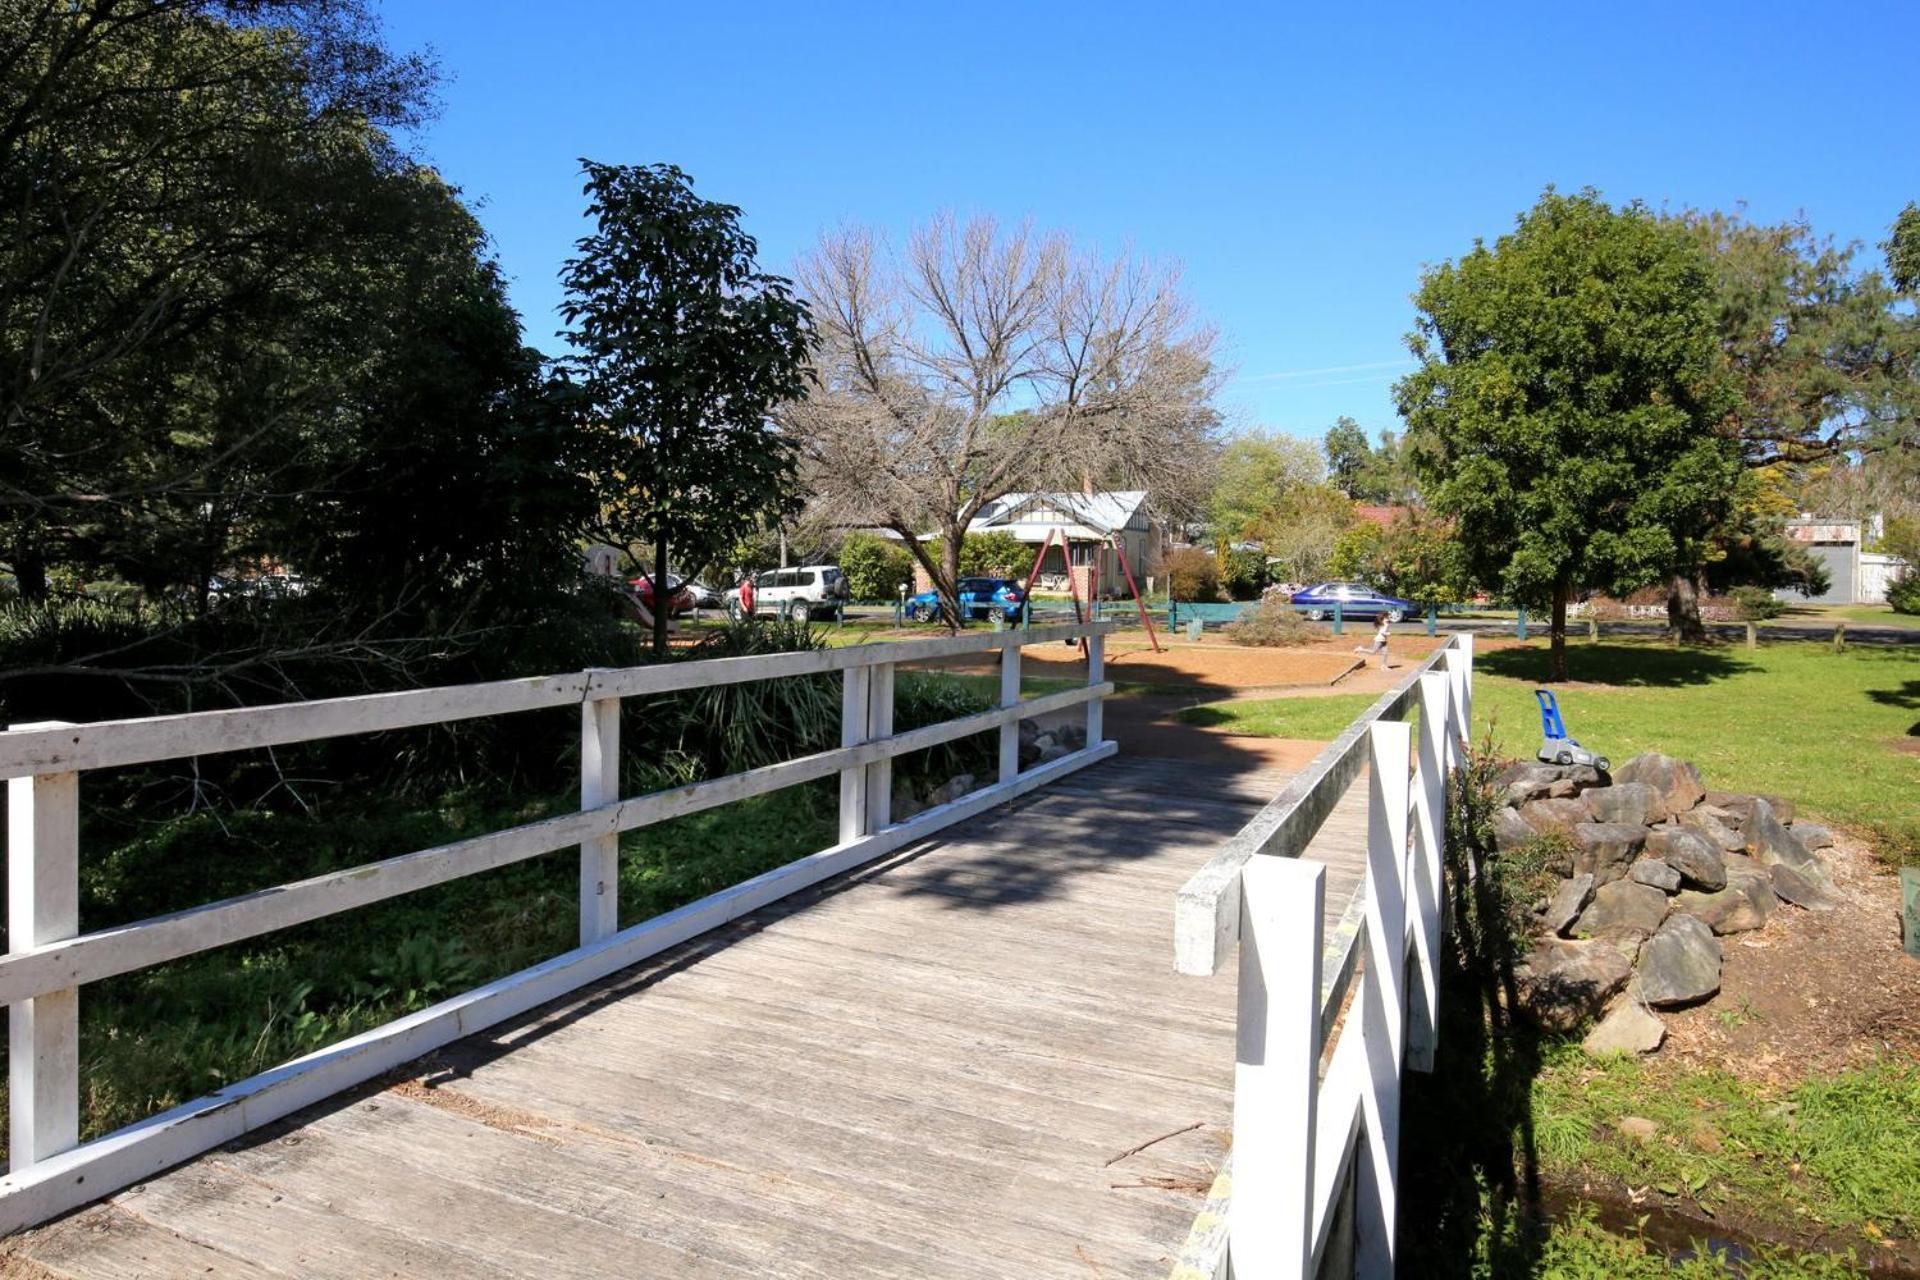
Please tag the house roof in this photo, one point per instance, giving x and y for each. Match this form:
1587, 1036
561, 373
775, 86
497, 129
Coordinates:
1102, 512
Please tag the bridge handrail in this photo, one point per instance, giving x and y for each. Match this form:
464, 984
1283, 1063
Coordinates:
1304, 1144
50, 1171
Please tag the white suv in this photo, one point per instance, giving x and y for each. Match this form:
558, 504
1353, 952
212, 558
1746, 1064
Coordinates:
795, 594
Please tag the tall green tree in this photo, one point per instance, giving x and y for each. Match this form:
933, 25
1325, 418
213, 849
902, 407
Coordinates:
1903, 250
686, 347
1825, 363
1255, 471
1567, 402
178, 177
1349, 454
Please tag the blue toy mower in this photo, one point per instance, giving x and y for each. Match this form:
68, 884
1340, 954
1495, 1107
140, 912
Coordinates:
1556, 745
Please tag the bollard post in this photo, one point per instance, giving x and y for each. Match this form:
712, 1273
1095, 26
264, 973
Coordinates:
599, 785
43, 906
1520, 624
1337, 618
1753, 640
1433, 619
1593, 630
1840, 638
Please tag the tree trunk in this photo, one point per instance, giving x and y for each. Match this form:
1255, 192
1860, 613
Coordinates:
950, 570
1683, 609
1557, 634
30, 573
662, 597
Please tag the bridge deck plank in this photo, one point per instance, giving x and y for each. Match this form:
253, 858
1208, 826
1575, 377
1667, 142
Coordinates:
920, 1069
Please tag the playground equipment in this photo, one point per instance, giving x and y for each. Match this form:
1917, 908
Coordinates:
1556, 745
1093, 585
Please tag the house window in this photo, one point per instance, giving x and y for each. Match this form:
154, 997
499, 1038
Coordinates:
1083, 552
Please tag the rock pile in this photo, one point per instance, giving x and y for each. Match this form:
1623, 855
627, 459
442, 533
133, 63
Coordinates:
1651, 871
1037, 746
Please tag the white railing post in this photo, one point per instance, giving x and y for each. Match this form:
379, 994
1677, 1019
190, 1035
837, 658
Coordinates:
853, 731
599, 784
1382, 1004
1429, 856
1096, 672
1459, 660
43, 906
1010, 697
880, 725
1276, 1084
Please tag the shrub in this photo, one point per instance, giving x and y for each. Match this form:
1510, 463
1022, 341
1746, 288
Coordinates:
1904, 595
1273, 624
1753, 604
1192, 573
875, 566
1245, 574
994, 555
729, 728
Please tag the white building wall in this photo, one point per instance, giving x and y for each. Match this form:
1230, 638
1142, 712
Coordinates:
1877, 573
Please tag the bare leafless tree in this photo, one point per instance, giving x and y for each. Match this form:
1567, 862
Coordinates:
982, 361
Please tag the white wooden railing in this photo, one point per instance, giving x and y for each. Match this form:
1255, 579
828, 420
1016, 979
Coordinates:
50, 1171
1312, 1185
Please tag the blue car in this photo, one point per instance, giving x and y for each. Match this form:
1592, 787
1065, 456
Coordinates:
1355, 600
980, 598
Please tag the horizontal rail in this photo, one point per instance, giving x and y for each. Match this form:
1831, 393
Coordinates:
111, 743
140, 944
1206, 919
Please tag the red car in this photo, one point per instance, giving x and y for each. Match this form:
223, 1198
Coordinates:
681, 601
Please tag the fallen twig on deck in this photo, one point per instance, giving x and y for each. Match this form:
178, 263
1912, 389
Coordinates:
1134, 1151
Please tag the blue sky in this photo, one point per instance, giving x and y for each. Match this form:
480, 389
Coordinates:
1302, 161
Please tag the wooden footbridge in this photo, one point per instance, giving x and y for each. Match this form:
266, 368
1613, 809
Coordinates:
952, 1046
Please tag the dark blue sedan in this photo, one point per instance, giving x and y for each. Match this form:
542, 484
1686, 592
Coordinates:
998, 599
1355, 600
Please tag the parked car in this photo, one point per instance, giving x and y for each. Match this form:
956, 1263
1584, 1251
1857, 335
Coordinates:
795, 594
1356, 600
679, 600
704, 596
998, 599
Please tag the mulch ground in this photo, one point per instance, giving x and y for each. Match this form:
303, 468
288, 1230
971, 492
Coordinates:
1814, 991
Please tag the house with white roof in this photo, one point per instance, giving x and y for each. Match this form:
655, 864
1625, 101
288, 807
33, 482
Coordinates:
1090, 524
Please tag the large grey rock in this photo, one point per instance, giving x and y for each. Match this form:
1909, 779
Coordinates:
1562, 789
1770, 841
1623, 909
1630, 802
1628, 1027
1687, 852
1510, 830
1564, 907
1605, 848
1677, 781
1744, 904
1679, 965
905, 803
1562, 984
1803, 887
1554, 817
1739, 806
1656, 873
1709, 825
1812, 834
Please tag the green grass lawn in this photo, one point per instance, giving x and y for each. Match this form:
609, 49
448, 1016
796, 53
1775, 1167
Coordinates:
1311, 717
1836, 733
1877, 615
